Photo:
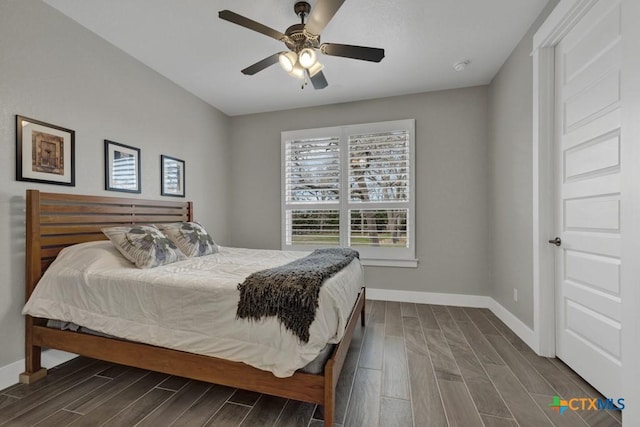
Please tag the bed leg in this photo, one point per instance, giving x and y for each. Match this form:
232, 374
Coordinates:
329, 413
33, 367
329, 395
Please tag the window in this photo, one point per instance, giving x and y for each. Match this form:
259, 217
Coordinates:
351, 186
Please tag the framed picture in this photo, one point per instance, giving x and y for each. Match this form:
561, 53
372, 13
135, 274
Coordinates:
44, 152
172, 176
121, 167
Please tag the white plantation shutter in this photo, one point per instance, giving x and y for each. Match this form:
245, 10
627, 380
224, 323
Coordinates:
312, 191
314, 227
379, 190
312, 171
351, 186
379, 167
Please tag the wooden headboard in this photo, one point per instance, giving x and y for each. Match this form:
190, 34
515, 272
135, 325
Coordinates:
55, 221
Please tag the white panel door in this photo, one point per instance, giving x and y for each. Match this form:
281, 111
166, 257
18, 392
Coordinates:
588, 199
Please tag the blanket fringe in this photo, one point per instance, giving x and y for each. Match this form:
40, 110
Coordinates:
291, 291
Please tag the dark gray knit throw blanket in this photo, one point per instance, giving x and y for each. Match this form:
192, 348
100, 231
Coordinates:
291, 291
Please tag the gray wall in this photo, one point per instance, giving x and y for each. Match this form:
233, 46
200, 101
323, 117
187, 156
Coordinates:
511, 177
54, 70
452, 227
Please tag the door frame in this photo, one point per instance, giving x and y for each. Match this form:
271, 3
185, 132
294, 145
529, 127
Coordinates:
557, 25
561, 20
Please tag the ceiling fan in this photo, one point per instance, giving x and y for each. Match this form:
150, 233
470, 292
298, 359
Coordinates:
303, 42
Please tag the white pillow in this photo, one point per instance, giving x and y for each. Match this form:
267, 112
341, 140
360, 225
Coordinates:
190, 237
144, 245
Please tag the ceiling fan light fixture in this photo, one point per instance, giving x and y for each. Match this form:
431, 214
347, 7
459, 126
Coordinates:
297, 71
315, 68
288, 61
307, 57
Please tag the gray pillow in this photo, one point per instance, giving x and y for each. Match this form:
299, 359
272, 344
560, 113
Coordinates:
144, 245
191, 237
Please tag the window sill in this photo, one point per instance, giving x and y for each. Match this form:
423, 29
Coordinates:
404, 263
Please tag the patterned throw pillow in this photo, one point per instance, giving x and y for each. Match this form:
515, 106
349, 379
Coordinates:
191, 237
144, 245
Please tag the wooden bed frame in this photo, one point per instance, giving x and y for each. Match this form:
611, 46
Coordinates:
55, 221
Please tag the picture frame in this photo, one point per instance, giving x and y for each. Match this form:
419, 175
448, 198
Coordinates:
172, 174
45, 153
121, 167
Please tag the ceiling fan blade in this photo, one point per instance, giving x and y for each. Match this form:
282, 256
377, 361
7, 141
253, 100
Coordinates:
227, 15
321, 14
364, 53
261, 65
318, 80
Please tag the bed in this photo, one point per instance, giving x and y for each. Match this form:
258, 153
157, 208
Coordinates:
57, 221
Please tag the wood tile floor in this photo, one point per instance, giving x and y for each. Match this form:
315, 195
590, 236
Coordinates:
420, 365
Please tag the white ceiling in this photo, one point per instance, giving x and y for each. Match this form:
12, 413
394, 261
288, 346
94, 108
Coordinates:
185, 41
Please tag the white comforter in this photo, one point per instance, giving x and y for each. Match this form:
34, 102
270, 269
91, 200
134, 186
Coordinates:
189, 305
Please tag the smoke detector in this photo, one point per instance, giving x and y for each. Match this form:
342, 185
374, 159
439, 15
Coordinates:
461, 65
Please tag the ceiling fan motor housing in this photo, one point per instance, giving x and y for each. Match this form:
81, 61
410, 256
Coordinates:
299, 39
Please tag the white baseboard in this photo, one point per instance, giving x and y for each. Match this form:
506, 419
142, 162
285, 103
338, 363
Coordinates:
525, 333
50, 358
459, 300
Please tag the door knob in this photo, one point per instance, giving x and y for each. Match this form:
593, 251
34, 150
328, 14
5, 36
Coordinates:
556, 241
